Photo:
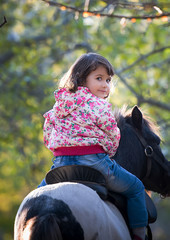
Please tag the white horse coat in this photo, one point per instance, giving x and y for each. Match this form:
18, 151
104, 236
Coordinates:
99, 220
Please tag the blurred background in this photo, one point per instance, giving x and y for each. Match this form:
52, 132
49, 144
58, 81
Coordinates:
38, 44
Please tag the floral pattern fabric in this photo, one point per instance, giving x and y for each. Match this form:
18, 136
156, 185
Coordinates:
80, 119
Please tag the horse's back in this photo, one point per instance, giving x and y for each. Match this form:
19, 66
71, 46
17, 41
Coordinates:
80, 207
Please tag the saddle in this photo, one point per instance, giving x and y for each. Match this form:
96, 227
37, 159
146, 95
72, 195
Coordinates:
95, 180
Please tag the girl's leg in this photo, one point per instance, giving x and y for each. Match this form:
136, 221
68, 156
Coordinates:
119, 180
127, 184
122, 181
132, 188
43, 183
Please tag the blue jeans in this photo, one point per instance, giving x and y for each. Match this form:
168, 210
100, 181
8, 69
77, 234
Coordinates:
118, 179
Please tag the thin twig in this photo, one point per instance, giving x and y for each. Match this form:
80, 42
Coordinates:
5, 21
142, 99
98, 13
142, 58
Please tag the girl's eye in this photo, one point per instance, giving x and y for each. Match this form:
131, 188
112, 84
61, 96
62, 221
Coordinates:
108, 80
99, 78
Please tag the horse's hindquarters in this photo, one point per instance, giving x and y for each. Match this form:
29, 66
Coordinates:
79, 210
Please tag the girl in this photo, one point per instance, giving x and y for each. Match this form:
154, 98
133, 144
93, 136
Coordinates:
81, 129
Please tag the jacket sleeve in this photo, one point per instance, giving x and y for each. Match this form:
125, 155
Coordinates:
107, 123
47, 128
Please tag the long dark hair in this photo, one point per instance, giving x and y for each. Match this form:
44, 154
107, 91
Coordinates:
81, 68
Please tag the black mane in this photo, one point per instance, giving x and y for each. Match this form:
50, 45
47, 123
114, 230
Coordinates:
123, 116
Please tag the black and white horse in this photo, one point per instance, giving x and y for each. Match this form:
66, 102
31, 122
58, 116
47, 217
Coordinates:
73, 211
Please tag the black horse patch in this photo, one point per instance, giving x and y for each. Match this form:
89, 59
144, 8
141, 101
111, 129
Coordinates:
45, 205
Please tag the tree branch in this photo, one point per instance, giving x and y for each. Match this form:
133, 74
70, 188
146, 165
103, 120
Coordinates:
142, 58
157, 65
99, 14
155, 103
27, 43
137, 5
127, 85
5, 21
140, 98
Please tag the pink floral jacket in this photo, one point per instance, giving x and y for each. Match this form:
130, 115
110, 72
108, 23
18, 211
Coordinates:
80, 119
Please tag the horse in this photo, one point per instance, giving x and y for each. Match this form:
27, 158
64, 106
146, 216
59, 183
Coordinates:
70, 210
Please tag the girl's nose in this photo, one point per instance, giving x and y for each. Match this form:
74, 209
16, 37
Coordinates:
104, 84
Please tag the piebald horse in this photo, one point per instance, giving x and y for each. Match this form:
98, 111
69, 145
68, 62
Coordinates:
73, 211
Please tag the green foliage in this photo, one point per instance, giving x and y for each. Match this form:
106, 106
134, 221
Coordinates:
37, 45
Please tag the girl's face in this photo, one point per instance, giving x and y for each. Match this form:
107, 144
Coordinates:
99, 82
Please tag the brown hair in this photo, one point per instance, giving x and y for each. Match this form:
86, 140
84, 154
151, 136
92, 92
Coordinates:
81, 68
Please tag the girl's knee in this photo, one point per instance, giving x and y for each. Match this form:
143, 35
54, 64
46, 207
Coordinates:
136, 188
140, 185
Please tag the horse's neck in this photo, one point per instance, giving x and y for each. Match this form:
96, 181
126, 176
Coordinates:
130, 154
